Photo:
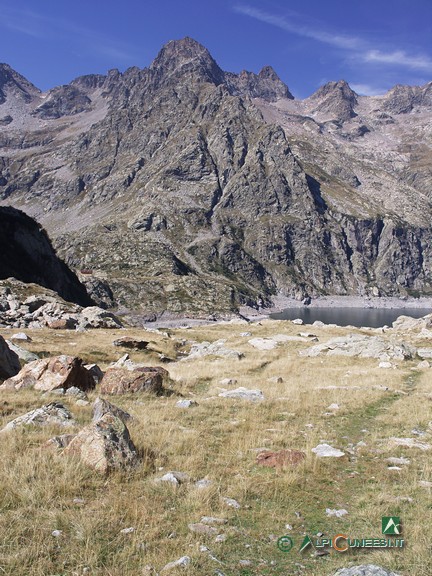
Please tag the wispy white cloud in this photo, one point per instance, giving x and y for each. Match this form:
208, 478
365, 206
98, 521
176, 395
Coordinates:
359, 49
340, 41
399, 58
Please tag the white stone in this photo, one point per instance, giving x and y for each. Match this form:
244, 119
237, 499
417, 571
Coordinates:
182, 562
298, 321
337, 513
231, 503
263, 343
244, 394
327, 451
410, 443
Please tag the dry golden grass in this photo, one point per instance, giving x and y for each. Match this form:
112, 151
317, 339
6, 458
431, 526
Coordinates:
218, 440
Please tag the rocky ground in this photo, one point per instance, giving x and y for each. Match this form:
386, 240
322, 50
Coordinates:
193, 450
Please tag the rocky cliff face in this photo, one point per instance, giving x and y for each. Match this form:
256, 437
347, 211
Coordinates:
188, 188
27, 255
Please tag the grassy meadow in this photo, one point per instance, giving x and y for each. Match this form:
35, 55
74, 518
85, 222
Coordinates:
43, 491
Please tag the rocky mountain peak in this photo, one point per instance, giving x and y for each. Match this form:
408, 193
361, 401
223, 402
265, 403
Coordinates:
336, 100
265, 85
186, 56
11, 81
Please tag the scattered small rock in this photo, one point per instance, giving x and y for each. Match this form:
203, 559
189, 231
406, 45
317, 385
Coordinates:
174, 477
49, 414
182, 562
56, 533
298, 321
410, 443
127, 530
231, 503
21, 336
398, 461
327, 451
204, 529
280, 459
186, 403
228, 382
244, 394
337, 513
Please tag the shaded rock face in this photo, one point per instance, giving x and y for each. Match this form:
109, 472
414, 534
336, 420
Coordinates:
104, 445
27, 254
192, 189
51, 374
124, 381
9, 361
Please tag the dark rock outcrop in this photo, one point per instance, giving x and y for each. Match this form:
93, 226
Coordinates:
26, 253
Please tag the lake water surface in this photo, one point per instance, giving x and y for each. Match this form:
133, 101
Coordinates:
373, 317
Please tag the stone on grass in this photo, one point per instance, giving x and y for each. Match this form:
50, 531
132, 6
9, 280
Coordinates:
204, 529
410, 443
124, 381
280, 459
50, 374
9, 361
263, 343
49, 414
102, 407
212, 520
174, 477
364, 570
243, 394
386, 365
95, 317
203, 483
104, 445
231, 503
186, 404
218, 348
398, 461
131, 343
425, 484
182, 562
21, 336
327, 451
228, 382
298, 321
363, 347
335, 512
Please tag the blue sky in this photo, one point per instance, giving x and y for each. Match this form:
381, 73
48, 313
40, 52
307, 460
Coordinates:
373, 44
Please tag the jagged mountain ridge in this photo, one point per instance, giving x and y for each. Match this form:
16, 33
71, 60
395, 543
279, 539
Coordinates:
189, 188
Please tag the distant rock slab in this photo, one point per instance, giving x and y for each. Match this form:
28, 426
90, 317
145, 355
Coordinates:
363, 347
104, 445
327, 451
49, 414
218, 348
50, 374
126, 381
243, 394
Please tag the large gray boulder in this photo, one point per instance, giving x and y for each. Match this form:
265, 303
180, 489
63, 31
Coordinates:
104, 445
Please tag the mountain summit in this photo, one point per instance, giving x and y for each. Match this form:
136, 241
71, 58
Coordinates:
190, 189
